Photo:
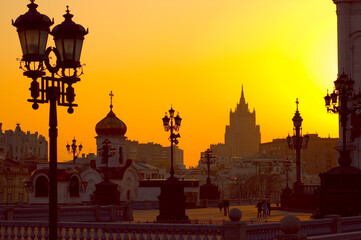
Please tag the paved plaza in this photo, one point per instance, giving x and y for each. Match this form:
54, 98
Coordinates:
249, 214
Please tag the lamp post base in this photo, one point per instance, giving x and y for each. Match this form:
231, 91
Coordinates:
172, 202
209, 191
298, 187
340, 191
106, 193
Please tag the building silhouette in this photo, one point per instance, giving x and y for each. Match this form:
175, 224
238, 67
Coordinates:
243, 136
20, 152
319, 156
154, 154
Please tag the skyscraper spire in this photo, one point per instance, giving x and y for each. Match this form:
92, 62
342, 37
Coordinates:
243, 100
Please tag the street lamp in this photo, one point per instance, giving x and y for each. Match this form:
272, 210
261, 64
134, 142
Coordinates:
106, 152
297, 142
208, 158
33, 29
171, 124
338, 102
172, 198
287, 163
75, 149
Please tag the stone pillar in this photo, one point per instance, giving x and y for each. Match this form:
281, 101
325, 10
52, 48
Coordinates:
290, 226
235, 229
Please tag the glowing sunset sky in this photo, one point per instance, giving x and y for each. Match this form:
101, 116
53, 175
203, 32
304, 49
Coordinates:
193, 54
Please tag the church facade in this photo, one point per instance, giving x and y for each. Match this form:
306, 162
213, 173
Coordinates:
77, 181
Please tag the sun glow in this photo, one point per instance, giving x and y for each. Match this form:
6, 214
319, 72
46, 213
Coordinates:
192, 54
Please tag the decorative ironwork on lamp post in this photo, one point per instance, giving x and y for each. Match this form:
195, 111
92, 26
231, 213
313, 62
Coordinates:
338, 102
75, 149
33, 29
297, 142
106, 152
172, 124
287, 163
208, 158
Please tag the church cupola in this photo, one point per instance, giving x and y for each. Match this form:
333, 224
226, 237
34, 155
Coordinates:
111, 130
111, 125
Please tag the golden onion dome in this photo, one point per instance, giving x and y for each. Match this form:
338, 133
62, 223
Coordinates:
111, 125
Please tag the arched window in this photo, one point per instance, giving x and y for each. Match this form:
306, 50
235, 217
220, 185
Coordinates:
41, 187
74, 187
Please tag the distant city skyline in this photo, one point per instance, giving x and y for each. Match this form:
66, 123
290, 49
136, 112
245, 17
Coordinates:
194, 55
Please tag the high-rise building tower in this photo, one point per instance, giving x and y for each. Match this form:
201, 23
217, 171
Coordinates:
243, 136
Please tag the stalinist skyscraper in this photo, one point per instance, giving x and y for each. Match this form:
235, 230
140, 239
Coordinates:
243, 136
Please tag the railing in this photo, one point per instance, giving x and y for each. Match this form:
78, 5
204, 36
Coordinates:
69, 213
338, 236
331, 228
318, 227
265, 231
110, 231
350, 224
310, 188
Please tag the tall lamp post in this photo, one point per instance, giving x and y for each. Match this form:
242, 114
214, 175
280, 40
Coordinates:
338, 102
208, 158
106, 152
340, 191
297, 142
287, 163
172, 124
75, 149
106, 192
172, 198
33, 29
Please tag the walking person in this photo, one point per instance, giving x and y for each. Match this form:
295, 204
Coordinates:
264, 208
269, 207
259, 208
224, 207
220, 206
227, 205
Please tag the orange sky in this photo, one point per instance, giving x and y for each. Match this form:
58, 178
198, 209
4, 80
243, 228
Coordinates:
193, 54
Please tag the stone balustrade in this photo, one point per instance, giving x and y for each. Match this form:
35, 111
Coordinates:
332, 228
69, 213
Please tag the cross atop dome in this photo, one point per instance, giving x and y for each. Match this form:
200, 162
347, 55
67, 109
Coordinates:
111, 99
111, 125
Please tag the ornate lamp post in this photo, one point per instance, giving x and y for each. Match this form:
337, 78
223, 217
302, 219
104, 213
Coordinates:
172, 198
340, 192
75, 149
287, 163
33, 29
172, 124
106, 152
208, 158
297, 142
338, 102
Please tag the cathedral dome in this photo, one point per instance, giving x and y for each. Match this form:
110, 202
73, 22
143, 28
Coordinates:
111, 125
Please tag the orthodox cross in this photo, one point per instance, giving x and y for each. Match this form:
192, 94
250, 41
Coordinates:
111, 99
